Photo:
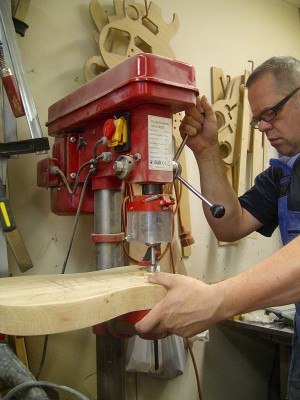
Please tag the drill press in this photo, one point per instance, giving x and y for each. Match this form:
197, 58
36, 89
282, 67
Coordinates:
119, 125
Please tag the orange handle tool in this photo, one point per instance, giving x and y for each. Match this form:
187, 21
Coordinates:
12, 92
11, 87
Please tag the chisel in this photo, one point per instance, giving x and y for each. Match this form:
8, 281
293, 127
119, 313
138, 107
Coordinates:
11, 232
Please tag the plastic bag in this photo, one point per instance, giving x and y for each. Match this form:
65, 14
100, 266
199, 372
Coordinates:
172, 356
259, 317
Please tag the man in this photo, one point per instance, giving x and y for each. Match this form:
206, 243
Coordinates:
192, 306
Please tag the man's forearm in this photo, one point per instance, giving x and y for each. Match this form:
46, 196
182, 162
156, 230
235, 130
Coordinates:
217, 189
274, 281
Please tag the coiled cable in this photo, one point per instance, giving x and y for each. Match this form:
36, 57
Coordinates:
30, 384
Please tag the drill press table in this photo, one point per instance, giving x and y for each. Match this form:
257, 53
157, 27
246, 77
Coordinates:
46, 304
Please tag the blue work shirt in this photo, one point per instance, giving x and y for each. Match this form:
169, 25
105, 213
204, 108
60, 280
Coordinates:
273, 200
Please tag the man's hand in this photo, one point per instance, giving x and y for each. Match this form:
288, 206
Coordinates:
189, 307
200, 123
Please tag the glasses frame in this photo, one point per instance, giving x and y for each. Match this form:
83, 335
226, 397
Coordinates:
256, 120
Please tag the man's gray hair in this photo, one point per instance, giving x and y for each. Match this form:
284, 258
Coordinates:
285, 69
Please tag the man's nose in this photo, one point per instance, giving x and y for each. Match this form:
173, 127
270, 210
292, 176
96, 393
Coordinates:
264, 126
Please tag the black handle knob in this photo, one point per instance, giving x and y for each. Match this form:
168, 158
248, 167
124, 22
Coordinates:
217, 211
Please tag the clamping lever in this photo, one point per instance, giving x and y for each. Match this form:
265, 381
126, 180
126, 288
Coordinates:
217, 210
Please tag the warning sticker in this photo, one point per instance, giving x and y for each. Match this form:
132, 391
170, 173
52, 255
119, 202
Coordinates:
160, 152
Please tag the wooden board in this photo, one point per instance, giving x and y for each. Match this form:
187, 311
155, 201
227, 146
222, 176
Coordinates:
218, 84
185, 200
46, 304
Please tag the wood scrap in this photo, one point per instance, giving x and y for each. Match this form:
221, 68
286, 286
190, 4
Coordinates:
227, 115
242, 140
219, 84
185, 211
245, 153
133, 29
20, 8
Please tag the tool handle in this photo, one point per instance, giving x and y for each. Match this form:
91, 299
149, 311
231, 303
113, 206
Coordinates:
13, 95
6, 218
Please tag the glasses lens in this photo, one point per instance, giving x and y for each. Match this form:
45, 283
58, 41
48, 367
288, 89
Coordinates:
268, 115
254, 123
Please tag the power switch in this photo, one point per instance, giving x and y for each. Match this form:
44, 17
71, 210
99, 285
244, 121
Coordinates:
109, 128
116, 131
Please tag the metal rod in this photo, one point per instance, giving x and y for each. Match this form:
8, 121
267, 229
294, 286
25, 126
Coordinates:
217, 210
180, 148
153, 262
107, 219
109, 350
198, 194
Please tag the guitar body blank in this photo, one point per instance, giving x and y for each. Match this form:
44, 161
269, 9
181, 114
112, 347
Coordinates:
46, 304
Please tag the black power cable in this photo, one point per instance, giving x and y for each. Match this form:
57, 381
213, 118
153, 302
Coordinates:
68, 253
43, 358
30, 384
92, 171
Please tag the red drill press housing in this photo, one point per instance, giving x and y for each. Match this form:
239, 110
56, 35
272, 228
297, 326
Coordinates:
144, 91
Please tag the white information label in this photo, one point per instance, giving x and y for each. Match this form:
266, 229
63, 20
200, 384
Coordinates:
160, 152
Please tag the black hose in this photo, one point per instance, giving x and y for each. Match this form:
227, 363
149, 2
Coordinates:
13, 372
31, 384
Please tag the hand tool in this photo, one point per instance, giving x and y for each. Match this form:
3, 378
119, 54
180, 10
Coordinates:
11, 232
4, 270
10, 86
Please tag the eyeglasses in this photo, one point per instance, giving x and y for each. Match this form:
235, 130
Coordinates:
271, 113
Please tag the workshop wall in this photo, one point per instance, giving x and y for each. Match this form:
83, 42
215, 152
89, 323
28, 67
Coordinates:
222, 33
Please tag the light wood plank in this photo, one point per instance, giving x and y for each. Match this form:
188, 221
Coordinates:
47, 304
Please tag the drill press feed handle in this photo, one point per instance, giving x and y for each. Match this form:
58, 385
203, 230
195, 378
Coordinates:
217, 210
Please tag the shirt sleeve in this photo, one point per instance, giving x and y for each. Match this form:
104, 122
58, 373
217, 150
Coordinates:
262, 200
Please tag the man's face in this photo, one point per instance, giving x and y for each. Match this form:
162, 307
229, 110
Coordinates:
283, 132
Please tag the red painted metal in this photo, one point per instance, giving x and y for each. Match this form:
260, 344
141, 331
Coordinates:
143, 86
108, 238
141, 79
63, 203
151, 203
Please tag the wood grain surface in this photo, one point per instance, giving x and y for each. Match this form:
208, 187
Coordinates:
47, 304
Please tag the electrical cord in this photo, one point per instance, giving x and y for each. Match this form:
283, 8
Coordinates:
43, 358
71, 242
195, 368
187, 340
76, 219
30, 384
57, 170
